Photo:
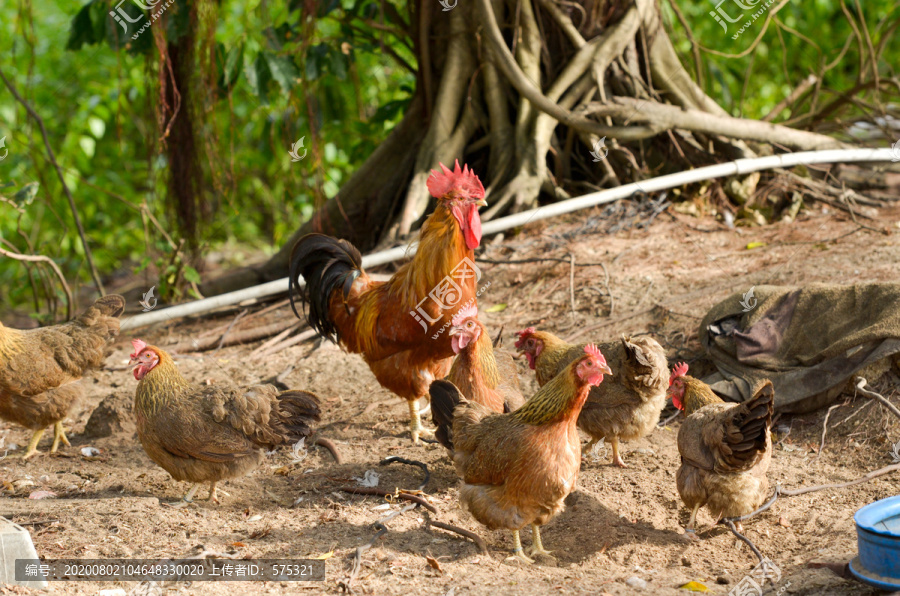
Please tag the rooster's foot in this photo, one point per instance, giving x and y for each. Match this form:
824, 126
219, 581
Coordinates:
415, 423
59, 435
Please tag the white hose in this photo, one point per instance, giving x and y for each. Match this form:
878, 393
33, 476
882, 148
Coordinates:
731, 168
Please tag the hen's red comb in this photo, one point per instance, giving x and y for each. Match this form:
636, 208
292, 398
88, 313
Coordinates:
462, 181
594, 352
468, 312
680, 370
523, 334
139, 346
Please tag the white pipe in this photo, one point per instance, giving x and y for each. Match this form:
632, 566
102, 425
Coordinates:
731, 168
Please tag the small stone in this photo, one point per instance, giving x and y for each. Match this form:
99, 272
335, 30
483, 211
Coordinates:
685, 561
723, 579
636, 582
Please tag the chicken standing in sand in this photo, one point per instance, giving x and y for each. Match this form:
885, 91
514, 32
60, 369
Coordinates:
204, 434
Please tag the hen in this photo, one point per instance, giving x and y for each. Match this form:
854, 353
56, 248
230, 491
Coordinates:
483, 374
207, 433
725, 447
518, 468
625, 408
39, 368
398, 325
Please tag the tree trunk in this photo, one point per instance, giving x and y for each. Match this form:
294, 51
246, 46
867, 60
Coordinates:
523, 95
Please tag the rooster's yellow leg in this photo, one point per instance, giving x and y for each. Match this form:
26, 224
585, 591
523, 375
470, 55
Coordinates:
537, 547
518, 552
33, 443
616, 458
415, 422
59, 434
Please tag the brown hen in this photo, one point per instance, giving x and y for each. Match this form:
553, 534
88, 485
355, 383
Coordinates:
206, 434
517, 468
40, 368
725, 448
624, 408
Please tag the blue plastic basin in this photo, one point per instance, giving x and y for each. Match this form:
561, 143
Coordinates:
878, 539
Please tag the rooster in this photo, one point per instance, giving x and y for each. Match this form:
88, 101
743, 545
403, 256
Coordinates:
483, 374
398, 325
39, 368
206, 433
625, 408
518, 468
725, 448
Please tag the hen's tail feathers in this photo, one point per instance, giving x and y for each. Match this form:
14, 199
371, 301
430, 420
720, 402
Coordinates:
444, 399
750, 441
647, 361
112, 305
298, 411
325, 263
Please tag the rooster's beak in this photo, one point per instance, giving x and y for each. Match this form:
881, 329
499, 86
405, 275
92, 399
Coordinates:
481, 203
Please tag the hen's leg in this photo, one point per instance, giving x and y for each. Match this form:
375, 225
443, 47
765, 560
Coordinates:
589, 446
415, 422
518, 552
186, 499
617, 459
689, 531
59, 434
214, 492
537, 547
33, 443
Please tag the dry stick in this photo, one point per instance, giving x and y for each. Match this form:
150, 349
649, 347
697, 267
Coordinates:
274, 340
227, 331
478, 540
410, 462
308, 334
824, 430
790, 99
861, 382
87, 249
744, 539
609, 322
380, 492
608, 291
331, 447
240, 337
669, 419
53, 265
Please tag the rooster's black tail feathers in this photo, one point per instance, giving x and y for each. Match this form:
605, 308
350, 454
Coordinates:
325, 263
444, 399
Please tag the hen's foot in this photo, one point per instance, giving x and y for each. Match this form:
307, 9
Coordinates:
185, 500
214, 493
59, 435
32, 449
518, 551
537, 546
616, 458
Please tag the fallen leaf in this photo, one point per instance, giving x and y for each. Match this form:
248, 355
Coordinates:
42, 494
433, 563
257, 534
782, 521
752, 245
283, 471
694, 587
254, 518
324, 556
237, 544
496, 307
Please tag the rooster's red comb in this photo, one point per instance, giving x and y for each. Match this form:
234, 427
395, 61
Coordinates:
680, 370
139, 346
467, 312
594, 352
461, 181
523, 335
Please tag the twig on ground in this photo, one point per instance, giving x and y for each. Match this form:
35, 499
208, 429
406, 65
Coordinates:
308, 334
669, 419
272, 341
380, 492
608, 291
410, 462
331, 447
743, 539
479, 542
240, 337
861, 383
536, 260
355, 565
825, 430
234, 321
609, 322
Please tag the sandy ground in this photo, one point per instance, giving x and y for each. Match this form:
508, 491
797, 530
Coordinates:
621, 526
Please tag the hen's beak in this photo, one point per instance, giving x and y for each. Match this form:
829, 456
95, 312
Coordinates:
454, 331
481, 203
605, 369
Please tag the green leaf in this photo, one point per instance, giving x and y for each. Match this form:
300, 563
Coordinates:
88, 145
232, 62
26, 194
81, 31
496, 307
283, 70
97, 126
191, 275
